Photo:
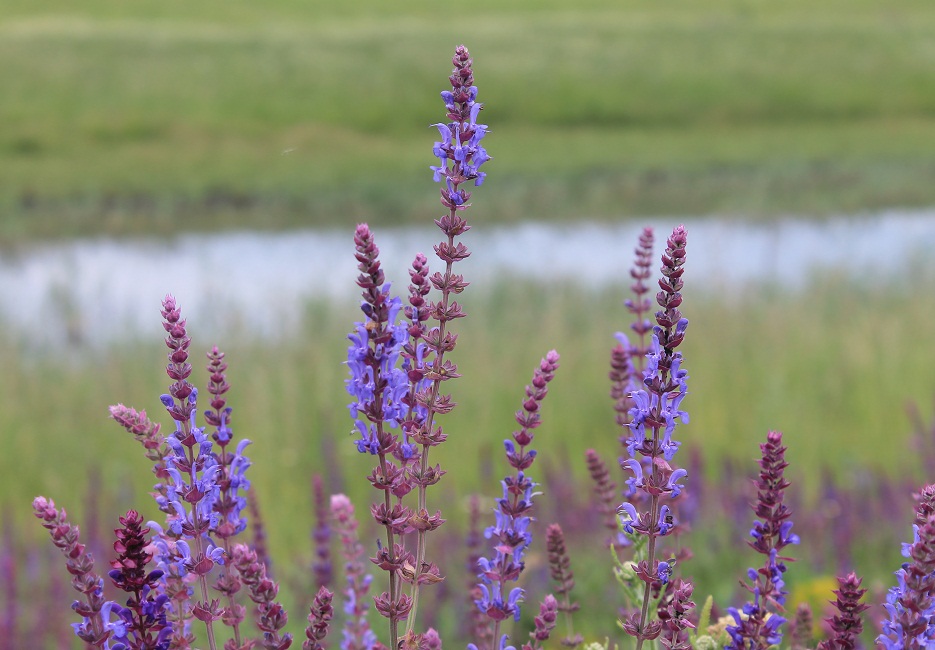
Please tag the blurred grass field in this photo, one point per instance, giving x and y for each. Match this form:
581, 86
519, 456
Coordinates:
152, 116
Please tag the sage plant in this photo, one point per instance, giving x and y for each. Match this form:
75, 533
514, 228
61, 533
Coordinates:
511, 532
397, 368
654, 417
758, 625
910, 605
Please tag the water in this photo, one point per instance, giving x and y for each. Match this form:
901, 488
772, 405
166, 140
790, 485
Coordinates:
99, 290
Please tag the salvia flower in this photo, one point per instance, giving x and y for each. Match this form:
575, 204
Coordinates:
459, 152
271, 618
544, 623
910, 605
319, 619
511, 532
758, 624
652, 420
846, 625
94, 629
144, 617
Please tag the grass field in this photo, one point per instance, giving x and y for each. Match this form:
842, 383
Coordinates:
148, 117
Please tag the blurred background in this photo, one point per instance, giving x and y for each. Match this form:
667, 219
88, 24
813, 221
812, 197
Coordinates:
224, 151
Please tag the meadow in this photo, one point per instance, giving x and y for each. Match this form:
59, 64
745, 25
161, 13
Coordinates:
159, 116
155, 118
833, 368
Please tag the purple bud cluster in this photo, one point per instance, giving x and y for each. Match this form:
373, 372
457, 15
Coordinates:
758, 626
846, 625
511, 532
143, 624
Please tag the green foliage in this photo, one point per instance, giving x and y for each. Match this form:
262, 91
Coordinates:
138, 117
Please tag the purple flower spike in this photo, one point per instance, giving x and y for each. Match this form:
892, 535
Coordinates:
511, 531
650, 408
759, 625
460, 139
910, 605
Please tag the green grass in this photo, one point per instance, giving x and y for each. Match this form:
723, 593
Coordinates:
139, 117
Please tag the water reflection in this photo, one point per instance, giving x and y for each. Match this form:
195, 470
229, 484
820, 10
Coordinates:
98, 290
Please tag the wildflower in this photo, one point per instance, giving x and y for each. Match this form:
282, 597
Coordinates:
846, 625
511, 530
94, 628
319, 618
910, 605
652, 419
756, 626
270, 615
144, 617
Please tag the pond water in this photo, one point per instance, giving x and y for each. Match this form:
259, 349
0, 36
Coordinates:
98, 290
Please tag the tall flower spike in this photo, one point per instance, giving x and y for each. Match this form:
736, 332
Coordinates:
271, 618
511, 532
380, 389
758, 626
319, 619
651, 443
460, 146
193, 489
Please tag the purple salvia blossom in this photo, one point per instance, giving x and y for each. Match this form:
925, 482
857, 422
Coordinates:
95, 628
319, 619
271, 618
147, 434
910, 605
460, 138
431, 640
511, 532
639, 305
356, 631
144, 618
379, 386
193, 490
321, 535
544, 623
758, 626
460, 144
846, 625
651, 444
232, 484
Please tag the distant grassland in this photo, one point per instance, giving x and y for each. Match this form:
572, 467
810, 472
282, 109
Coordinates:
152, 116
833, 372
